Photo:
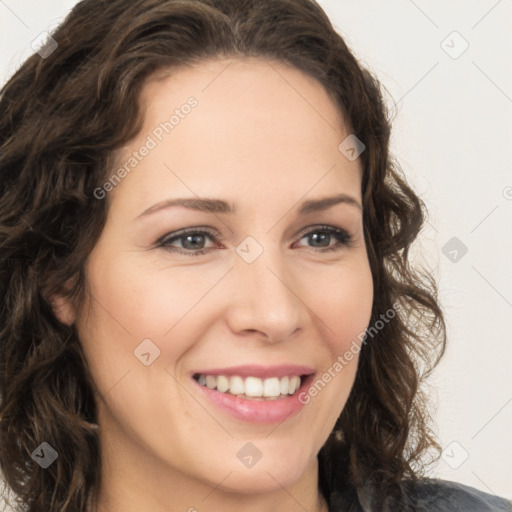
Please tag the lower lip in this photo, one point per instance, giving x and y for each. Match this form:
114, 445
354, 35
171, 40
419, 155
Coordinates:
257, 411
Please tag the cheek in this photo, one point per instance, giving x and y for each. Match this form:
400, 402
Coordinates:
344, 315
152, 298
345, 300
131, 304
134, 302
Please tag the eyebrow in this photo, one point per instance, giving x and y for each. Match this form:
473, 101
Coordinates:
208, 205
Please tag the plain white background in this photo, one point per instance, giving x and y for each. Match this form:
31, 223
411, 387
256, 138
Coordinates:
447, 68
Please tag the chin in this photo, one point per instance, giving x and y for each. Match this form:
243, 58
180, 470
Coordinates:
263, 477
258, 482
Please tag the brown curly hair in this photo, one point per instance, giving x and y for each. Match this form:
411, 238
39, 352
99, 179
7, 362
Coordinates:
62, 119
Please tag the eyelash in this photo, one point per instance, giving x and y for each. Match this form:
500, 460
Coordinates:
343, 237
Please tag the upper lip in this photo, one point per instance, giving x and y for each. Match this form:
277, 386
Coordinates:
253, 370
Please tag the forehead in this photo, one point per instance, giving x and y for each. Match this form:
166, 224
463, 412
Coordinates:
255, 125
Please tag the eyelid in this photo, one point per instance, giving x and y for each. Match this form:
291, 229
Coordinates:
328, 228
344, 234
188, 231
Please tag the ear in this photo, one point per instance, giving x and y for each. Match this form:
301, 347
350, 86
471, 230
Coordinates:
63, 309
62, 306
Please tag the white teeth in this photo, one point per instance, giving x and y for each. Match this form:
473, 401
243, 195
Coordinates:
294, 384
253, 387
284, 385
211, 381
271, 387
236, 386
222, 383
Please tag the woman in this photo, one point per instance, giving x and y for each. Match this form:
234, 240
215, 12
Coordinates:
207, 298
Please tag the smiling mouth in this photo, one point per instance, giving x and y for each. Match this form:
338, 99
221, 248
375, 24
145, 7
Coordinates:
252, 388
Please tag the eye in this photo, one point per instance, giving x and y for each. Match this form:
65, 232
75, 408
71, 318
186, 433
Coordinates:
192, 241
323, 235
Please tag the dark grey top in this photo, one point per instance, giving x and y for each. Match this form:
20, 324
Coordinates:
433, 496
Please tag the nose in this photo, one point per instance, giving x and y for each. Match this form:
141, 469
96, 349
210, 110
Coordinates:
265, 297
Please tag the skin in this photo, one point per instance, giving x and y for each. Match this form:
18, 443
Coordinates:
265, 137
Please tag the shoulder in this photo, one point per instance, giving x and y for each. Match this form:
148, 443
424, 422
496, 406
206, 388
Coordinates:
445, 495
426, 495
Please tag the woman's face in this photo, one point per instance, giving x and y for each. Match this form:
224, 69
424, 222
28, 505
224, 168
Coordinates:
252, 293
